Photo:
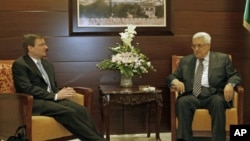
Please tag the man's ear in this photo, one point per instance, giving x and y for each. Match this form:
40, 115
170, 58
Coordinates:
30, 48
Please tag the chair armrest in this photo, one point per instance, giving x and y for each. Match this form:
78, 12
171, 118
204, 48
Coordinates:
240, 90
15, 110
88, 95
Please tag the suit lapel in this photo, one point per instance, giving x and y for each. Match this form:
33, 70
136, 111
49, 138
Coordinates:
46, 67
192, 69
32, 65
50, 73
212, 63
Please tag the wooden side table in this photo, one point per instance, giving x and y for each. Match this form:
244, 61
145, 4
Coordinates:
129, 96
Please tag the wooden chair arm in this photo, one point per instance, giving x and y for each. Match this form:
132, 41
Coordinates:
15, 110
88, 95
240, 90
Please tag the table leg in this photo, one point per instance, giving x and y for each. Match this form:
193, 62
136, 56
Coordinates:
102, 118
158, 124
106, 120
148, 113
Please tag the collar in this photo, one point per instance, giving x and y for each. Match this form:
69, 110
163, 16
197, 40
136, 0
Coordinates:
205, 59
35, 60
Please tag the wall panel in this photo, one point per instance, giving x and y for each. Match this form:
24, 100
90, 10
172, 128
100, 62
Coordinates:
34, 5
209, 5
15, 24
221, 23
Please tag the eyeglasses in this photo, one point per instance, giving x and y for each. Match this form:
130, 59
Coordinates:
198, 46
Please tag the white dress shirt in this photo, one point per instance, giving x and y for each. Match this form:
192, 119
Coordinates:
204, 78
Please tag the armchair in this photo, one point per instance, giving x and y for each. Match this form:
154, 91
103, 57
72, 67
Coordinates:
16, 110
200, 128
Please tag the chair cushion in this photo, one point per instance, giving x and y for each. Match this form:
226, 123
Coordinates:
45, 128
51, 128
202, 115
202, 120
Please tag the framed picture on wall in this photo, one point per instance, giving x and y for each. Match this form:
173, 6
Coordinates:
109, 17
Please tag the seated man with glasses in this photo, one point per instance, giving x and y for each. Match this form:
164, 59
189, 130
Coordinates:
204, 79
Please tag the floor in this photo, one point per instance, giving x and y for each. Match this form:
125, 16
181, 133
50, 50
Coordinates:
137, 137
143, 137
140, 137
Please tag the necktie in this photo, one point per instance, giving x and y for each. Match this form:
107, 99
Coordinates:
44, 74
197, 79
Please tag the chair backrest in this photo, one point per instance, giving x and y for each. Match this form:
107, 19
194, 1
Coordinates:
175, 62
6, 79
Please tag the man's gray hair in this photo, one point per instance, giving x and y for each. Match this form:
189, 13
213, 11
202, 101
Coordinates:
204, 35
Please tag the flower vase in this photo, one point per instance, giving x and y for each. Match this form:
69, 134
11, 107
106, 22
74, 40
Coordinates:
126, 81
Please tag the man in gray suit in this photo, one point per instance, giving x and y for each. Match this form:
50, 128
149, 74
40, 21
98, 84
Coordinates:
39, 81
217, 78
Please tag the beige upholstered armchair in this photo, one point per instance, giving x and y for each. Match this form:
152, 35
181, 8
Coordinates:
200, 128
16, 110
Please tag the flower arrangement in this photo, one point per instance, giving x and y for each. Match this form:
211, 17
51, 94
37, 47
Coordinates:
127, 58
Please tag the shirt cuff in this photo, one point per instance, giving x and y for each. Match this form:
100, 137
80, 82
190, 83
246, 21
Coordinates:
55, 97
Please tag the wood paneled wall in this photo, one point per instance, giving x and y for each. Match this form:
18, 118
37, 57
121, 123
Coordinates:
75, 57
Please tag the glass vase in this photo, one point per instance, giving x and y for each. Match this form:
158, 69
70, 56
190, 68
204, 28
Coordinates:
126, 81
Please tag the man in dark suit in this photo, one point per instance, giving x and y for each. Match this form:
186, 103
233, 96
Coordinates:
48, 99
217, 78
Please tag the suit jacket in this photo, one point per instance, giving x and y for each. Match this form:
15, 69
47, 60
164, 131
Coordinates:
28, 79
220, 72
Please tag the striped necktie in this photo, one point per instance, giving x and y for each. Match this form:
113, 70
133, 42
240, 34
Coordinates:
197, 78
44, 74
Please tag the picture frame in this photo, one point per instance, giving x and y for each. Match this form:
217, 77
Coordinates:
112, 16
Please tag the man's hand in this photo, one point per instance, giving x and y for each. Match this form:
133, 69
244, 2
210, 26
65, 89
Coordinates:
66, 92
228, 92
179, 86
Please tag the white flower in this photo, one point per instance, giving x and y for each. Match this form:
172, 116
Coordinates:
127, 58
149, 64
128, 35
131, 29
